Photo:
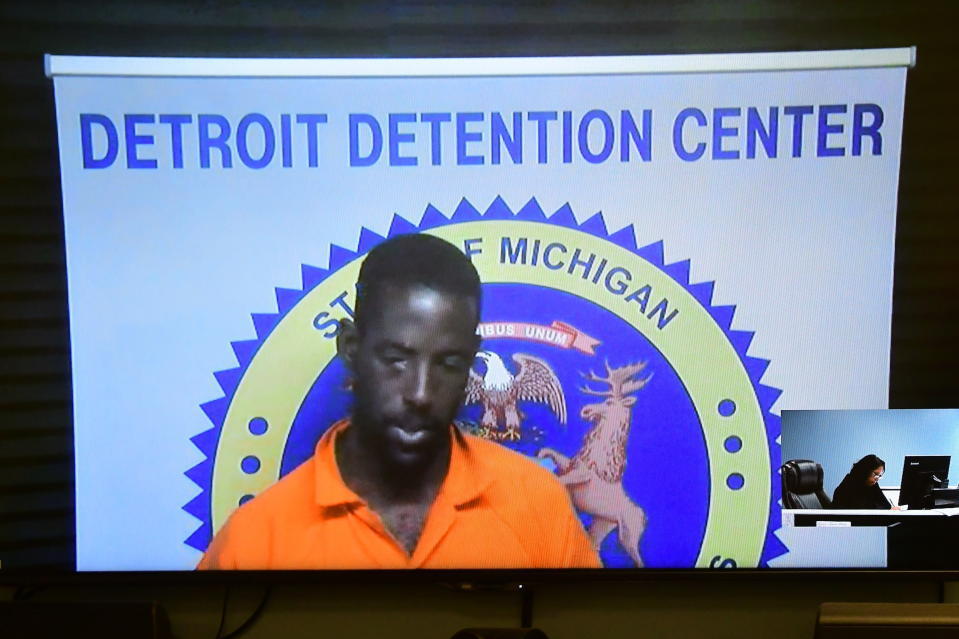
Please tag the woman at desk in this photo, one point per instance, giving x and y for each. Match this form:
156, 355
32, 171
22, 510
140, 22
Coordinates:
859, 489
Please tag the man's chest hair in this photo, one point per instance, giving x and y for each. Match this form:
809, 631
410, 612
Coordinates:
405, 522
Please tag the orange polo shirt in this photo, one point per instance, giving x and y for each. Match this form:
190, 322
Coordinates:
495, 509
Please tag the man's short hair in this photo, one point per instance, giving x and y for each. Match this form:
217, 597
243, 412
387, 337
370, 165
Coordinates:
415, 260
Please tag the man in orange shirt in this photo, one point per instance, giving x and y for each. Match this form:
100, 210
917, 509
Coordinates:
397, 485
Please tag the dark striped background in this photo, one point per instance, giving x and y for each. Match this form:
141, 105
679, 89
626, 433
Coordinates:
36, 514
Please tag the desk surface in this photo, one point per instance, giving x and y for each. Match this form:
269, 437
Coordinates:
937, 512
907, 539
822, 517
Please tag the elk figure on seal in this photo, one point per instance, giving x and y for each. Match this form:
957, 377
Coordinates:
594, 475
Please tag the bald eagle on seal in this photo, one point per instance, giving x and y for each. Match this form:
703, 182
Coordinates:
499, 392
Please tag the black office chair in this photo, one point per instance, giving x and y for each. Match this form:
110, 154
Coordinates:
802, 485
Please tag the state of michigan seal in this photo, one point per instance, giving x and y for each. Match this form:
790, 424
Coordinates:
598, 360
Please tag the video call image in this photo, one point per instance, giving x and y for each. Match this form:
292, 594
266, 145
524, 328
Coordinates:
336, 316
871, 488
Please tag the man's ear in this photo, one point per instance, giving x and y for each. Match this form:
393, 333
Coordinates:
347, 342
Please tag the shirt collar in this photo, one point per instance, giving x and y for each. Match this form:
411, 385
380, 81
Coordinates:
466, 480
468, 475
331, 490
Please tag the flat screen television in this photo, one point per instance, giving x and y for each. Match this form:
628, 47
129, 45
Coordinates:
648, 233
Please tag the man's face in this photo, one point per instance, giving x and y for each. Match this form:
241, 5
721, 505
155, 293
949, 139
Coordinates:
410, 365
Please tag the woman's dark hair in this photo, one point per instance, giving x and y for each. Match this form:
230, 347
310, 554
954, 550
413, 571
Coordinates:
863, 468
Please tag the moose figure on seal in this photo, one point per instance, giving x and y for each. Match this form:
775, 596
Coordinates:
594, 475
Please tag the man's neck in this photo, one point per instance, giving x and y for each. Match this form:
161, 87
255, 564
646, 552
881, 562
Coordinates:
400, 496
376, 480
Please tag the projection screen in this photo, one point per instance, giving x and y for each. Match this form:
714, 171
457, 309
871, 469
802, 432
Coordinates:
719, 226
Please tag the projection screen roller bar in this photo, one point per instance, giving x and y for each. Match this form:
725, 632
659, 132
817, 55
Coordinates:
57, 65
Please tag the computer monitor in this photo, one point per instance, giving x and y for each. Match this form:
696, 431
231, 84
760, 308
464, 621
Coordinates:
920, 474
